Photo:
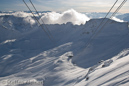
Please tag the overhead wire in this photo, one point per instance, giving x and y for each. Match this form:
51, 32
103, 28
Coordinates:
94, 35
112, 16
39, 22
41, 19
101, 23
121, 5
106, 16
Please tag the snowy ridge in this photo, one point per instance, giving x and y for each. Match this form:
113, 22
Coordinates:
113, 75
28, 55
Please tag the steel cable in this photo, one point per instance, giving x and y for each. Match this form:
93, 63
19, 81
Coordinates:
93, 36
112, 16
41, 19
38, 22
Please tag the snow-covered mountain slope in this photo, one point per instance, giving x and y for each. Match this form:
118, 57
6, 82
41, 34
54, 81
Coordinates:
27, 54
108, 73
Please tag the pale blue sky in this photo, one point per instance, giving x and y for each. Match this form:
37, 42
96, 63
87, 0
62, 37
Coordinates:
62, 5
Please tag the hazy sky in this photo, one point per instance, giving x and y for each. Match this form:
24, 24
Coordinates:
62, 5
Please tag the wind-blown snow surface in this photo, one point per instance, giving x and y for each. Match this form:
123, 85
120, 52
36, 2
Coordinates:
29, 58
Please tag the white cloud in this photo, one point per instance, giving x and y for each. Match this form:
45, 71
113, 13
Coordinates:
116, 19
27, 16
21, 14
67, 16
29, 20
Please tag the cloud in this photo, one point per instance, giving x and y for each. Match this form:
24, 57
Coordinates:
21, 14
26, 17
62, 18
116, 19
